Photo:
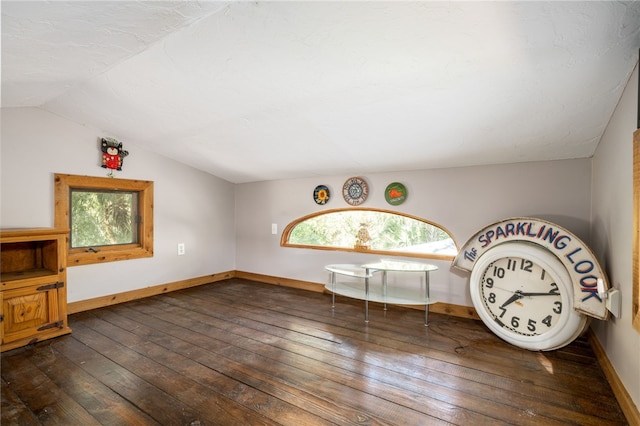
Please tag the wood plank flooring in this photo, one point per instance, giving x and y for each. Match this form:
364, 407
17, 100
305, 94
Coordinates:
243, 353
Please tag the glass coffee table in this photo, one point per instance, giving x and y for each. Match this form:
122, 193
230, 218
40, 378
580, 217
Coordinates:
380, 292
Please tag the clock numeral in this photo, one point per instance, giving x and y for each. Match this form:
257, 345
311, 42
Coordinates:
558, 308
554, 289
526, 265
498, 272
515, 322
547, 321
531, 326
492, 297
504, 311
542, 274
489, 283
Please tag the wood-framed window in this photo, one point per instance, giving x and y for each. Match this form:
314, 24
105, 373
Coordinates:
635, 304
110, 219
370, 230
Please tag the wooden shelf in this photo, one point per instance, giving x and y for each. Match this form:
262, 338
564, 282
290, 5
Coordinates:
27, 274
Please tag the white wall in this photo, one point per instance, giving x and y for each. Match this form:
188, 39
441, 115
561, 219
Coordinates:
613, 234
462, 200
190, 206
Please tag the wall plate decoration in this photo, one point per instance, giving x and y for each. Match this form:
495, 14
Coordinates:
395, 193
321, 194
355, 191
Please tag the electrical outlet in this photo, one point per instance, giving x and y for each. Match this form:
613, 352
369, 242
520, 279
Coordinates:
181, 249
274, 228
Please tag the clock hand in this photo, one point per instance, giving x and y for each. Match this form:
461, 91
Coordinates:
516, 296
539, 294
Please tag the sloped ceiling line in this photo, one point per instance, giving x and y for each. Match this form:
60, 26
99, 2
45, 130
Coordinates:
252, 91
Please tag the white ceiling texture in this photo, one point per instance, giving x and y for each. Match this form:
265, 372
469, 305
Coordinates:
264, 90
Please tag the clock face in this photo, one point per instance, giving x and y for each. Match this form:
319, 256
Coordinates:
524, 294
355, 191
520, 295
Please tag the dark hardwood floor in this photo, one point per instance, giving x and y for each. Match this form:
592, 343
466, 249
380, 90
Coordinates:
244, 353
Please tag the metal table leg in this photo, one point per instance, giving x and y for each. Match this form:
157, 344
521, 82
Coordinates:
384, 288
366, 296
333, 289
426, 290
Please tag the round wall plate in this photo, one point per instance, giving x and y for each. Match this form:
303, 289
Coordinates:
395, 194
355, 191
321, 194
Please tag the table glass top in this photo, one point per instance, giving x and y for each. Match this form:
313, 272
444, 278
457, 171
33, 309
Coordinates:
389, 265
349, 269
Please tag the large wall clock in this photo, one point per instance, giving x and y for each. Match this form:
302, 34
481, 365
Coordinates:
533, 283
525, 296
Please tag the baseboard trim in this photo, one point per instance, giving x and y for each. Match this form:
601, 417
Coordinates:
127, 296
285, 282
624, 399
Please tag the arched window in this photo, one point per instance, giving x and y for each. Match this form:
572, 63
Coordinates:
372, 231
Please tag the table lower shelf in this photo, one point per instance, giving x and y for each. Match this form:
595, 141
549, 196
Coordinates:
395, 295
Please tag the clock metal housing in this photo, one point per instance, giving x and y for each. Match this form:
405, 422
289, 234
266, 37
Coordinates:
524, 294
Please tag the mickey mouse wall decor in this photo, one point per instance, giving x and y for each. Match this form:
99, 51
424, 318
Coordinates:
112, 154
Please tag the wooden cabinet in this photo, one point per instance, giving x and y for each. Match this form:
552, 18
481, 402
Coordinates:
33, 293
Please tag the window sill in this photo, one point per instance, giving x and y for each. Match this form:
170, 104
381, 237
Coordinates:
77, 257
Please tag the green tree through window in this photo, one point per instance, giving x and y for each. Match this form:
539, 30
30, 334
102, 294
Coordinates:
101, 218
390, 232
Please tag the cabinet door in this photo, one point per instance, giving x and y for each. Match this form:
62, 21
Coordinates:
29, 312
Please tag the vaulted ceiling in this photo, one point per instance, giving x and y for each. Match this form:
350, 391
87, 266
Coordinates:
252, 90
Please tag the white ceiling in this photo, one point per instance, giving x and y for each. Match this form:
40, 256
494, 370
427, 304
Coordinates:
251, 91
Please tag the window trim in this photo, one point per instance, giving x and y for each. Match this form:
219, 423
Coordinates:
286, 233
80, 256
635, 304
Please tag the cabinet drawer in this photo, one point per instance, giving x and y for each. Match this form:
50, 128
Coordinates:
29, 311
